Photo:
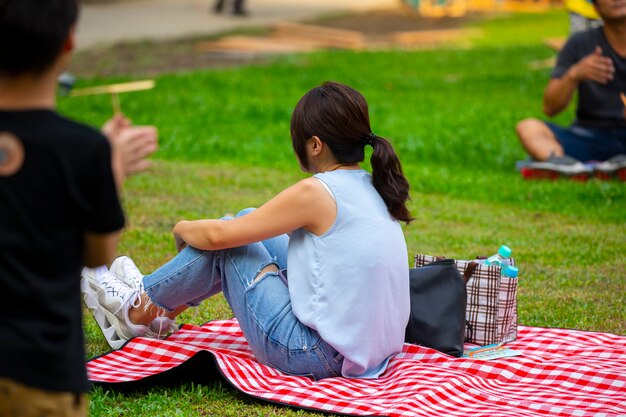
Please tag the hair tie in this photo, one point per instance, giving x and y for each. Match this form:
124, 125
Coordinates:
370, 139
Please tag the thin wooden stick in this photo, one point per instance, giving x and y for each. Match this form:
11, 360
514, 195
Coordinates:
115, 88
115, 99
623, 98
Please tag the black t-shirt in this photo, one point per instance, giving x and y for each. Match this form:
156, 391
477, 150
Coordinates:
64, 187
599, 105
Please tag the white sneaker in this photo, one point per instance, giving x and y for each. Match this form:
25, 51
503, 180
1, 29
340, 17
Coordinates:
125, 269
109, 300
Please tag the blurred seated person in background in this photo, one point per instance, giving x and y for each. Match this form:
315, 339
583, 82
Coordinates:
593, 64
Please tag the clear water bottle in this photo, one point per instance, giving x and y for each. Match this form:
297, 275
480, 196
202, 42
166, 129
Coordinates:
510, 271
501, 259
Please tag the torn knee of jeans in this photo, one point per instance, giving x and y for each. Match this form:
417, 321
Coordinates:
264, 270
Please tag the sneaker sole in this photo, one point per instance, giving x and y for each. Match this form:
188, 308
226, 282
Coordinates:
619, 174
548, 174
103, 318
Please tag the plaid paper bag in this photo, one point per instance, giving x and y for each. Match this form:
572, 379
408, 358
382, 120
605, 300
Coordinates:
491, 301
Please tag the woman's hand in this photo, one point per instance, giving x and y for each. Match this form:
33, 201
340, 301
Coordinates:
178, 240
130, 146
180, 243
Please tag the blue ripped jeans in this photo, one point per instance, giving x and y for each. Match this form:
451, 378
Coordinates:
262, 307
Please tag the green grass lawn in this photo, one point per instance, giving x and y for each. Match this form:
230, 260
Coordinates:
450, 113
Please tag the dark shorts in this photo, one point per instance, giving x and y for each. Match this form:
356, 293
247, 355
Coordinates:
590, 144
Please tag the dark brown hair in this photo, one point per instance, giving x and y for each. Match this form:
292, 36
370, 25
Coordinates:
32, 33
339, 116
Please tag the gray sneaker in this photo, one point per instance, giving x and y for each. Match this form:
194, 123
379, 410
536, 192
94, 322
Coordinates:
555, 167
612, 168
109, 299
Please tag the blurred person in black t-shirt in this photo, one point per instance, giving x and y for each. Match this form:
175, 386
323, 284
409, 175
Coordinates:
59, 210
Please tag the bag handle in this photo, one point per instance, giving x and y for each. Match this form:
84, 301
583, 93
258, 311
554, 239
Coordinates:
469, 330
469, 271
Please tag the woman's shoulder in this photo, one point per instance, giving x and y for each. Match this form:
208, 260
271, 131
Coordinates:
309, 190
308, 185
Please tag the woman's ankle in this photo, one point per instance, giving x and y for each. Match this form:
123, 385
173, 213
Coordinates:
144, 312
138, 316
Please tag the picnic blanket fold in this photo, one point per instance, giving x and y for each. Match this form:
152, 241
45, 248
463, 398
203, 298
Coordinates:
560, 372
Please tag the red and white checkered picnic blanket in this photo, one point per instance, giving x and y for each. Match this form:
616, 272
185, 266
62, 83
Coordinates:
560, 373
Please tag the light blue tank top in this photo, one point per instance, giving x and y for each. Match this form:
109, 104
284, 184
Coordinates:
351, 284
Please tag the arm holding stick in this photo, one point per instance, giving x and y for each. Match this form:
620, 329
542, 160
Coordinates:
130, 146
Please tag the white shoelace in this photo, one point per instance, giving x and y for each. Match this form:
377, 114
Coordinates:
120, 289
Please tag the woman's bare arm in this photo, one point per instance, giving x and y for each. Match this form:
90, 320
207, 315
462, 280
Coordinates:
305, 204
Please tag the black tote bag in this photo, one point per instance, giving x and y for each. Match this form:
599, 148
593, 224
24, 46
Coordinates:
438, 301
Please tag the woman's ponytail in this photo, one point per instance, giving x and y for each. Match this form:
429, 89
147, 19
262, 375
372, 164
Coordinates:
388, 178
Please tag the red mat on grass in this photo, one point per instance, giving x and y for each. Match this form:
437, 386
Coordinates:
560, 373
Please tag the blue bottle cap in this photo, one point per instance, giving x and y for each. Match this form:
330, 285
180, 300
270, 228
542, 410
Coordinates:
511, 271
505, 251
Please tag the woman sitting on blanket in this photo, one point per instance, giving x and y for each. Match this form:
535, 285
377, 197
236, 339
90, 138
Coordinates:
344, 308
